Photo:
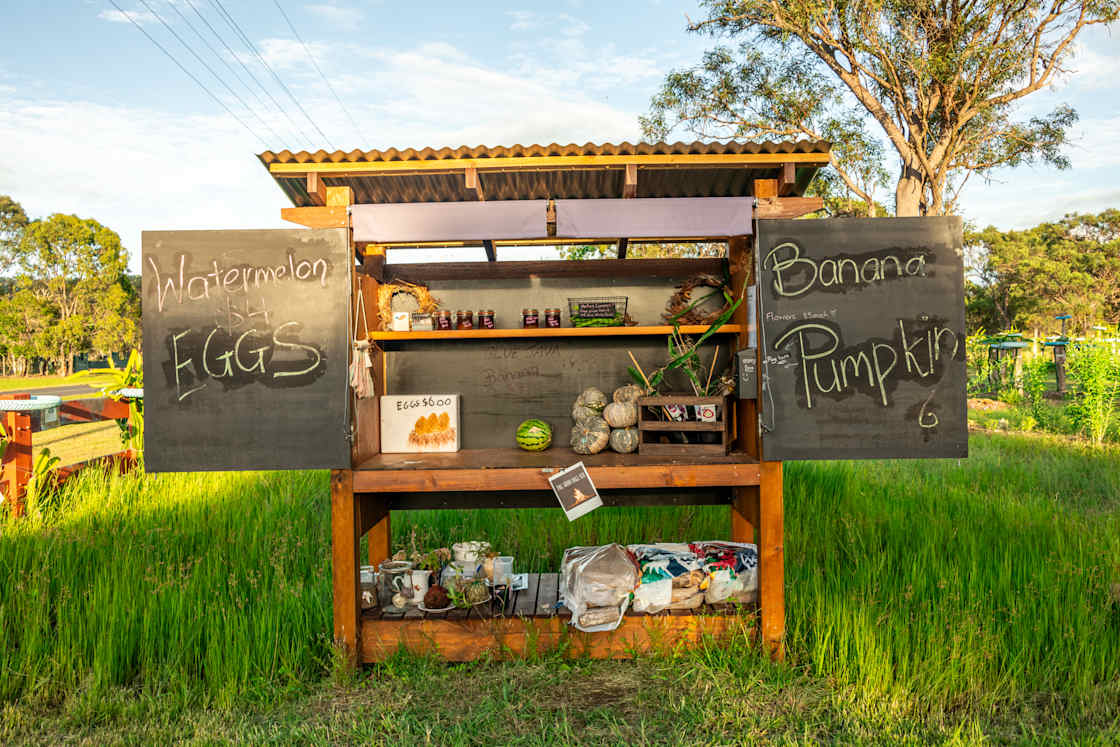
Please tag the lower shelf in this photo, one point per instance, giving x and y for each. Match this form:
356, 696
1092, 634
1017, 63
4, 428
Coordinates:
532, 623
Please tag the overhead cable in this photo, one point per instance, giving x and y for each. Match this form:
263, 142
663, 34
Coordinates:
245, 67
357, 129
204, 40
276, 77
188, 72
237, 32
202, 62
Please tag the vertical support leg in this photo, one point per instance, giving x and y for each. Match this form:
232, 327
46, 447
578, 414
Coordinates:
771, 562
380, 534
17, 457
744, 514
345, 537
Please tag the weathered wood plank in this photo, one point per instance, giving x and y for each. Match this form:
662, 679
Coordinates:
526, 605
771, 563
344, 561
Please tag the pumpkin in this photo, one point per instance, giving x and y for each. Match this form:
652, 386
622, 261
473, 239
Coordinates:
624, 440
581, 413
590, 436
620, 414
627, 393
593, 399
534, 435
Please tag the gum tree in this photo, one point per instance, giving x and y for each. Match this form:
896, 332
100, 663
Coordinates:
940, 79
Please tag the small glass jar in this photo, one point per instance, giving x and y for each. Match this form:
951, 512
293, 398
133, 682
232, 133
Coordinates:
552, 317
486, 319
530, 318
464, 320
443, 320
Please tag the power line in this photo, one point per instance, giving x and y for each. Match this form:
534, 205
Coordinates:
202, 62
276, 77
221, 11
326, 80
245, 67
204, 40
188, 72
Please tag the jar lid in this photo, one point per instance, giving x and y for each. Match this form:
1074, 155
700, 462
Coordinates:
528, 311
483, 312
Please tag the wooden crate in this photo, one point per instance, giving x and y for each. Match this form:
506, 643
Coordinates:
651, 427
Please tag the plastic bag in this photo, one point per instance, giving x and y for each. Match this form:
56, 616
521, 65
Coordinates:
596, 583
732, 568
673, 577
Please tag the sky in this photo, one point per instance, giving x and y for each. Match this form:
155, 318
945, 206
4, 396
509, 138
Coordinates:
97, 121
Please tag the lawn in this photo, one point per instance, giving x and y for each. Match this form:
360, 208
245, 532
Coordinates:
927, 601
9, 384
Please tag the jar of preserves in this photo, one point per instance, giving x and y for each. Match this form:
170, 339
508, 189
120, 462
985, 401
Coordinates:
486, 319
443, 320
530, 318
464, 320
552, 317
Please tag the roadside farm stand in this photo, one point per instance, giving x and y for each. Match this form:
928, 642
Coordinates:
249, 335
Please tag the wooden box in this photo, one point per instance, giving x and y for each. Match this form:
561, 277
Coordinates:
655, 426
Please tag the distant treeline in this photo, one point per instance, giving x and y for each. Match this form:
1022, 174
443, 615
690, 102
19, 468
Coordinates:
1023, 279
65, 291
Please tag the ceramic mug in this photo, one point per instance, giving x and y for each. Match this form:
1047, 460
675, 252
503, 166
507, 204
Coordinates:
418, 585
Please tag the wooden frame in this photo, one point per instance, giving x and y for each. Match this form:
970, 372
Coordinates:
363, 497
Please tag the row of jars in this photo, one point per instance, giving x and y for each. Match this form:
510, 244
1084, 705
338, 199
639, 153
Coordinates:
530, 318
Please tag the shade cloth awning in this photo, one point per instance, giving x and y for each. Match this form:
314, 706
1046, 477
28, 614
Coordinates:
708, 217
702, 217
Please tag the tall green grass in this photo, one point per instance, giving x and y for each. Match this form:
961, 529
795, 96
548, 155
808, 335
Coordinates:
976, 582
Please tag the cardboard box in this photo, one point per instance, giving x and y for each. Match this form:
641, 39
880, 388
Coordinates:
419, 423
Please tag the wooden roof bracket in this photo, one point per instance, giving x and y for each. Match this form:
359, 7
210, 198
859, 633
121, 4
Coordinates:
630, 182
473, 183
787, 182
316, 189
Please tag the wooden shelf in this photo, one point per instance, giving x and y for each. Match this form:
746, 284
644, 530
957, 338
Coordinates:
514, 469
499, 334
531, 622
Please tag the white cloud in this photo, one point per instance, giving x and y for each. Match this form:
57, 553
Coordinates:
337, 15
116, 16
562, 23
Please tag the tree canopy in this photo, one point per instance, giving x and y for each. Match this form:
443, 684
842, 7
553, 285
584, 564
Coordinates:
70, 292
1023, 279
940, 79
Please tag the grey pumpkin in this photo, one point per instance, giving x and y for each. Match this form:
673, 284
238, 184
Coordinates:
591, 436
581, 413
627, 393
624, 440
593, 399
620, 414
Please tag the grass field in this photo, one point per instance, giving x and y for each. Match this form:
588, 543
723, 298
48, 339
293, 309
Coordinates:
23, 383
949, 601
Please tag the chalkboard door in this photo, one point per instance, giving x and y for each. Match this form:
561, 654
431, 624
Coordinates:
863, 337
245, 349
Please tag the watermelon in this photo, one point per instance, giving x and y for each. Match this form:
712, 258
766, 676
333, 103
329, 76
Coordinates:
534, 435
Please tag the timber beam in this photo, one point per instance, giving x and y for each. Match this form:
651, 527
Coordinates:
787, 207
473, 183
630, 181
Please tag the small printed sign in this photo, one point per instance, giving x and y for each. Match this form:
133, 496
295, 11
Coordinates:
596, 309
575, 491
419, 423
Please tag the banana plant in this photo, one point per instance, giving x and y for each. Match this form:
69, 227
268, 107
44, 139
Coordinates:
129, 377
42, 485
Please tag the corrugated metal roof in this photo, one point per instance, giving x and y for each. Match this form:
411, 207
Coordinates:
696, 169
554, 149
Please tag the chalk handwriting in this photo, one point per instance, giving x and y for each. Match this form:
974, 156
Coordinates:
187, 284
795, 275
918, 351
273, 357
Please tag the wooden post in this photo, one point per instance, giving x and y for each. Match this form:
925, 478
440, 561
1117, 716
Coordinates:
345, 540
17, 457
771, 562
744, 507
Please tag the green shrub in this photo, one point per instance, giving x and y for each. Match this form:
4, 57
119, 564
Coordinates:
1095, 371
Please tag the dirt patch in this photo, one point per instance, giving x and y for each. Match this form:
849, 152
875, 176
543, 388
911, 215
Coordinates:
984, 404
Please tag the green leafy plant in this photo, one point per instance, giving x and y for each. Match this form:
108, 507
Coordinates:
1095, 371
42, 485
129, 377
684, 352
